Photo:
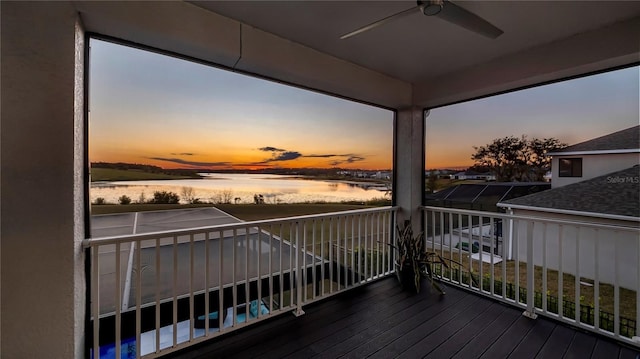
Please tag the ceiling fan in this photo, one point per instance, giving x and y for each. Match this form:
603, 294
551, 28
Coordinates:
445, 10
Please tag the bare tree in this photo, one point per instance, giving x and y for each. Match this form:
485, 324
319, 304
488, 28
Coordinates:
189, 195
227, 196
142, 199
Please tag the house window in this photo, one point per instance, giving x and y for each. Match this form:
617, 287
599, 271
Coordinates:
570, 167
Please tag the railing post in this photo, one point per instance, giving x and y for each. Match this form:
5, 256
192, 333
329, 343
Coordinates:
299, 251
531, 311
636, 337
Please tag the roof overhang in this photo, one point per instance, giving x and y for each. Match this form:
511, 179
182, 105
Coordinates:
603, 152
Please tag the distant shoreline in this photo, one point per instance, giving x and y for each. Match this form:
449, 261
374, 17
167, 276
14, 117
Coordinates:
105, 176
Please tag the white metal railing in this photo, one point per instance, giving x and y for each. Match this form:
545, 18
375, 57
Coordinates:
156, 293
582, 273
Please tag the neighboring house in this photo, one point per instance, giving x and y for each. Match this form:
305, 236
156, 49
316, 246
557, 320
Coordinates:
604, 188
595, 157
473, 175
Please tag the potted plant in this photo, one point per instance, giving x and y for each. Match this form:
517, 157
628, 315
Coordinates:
414, 263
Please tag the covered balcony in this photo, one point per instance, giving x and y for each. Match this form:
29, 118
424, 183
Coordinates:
232, 288
325, 285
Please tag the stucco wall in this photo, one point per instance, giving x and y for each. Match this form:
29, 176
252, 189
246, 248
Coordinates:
41, 217
594, 166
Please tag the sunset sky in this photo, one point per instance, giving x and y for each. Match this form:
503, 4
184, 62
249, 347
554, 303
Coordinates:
154, 109
571, 111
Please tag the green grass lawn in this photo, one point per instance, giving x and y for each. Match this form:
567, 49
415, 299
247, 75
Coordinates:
628, 297
118, 208
109, 174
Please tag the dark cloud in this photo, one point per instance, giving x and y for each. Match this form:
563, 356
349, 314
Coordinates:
348, 159
183, 154
285, 156
322, 156
271, 149
279, 154
191, 163
352, 159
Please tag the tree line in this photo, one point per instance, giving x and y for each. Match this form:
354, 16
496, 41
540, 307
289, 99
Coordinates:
517, 158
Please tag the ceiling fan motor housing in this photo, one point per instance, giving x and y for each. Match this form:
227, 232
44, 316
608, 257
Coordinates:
433, 7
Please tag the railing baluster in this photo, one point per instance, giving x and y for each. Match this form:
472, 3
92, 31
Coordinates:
271, 269
616, 289
207, 284
234, 291
303, 251
530, 312
516, 259
259, 270
376, 238
138, 298
637, 329
560, 273
596, 280
460, 259
191, 301
118, 295
247, 259
480, 246
299, 269
360, 251
492, 244
577, 297
352, 245
281, 282
322, 257
345, 238
157, 295
504, 258
95, 299
450, 215
175, 290
221, 309
441, 238
544, 268
330, 248
470, 248
314, 260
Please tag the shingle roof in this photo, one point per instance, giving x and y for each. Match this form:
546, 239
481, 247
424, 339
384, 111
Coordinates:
616, 193
627, 139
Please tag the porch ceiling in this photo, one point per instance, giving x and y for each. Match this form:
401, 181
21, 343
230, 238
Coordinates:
417, 48
416, 60
447, 63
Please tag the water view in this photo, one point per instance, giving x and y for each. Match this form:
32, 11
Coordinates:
242, 188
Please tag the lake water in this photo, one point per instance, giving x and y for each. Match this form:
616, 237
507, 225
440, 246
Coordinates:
241, 188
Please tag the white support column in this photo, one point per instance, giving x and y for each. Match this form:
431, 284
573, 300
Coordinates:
42, 181
409, 160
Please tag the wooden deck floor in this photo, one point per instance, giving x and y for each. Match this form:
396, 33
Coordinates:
381, 321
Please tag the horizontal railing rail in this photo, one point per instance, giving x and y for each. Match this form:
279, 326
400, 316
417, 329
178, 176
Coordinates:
582, 272
155, 293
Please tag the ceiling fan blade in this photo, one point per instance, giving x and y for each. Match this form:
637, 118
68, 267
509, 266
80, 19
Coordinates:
470, 21
380, 22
